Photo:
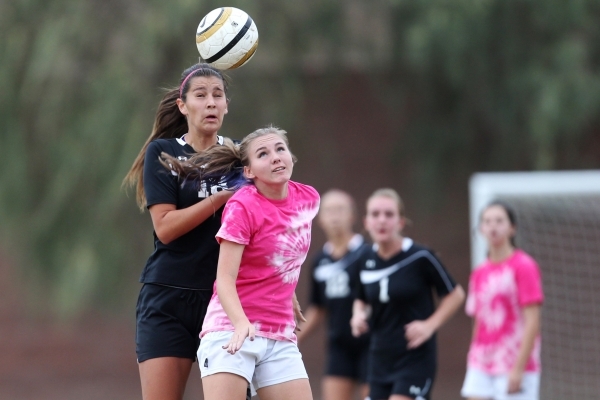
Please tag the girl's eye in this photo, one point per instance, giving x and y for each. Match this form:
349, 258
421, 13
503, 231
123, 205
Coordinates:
261, 154
281, 148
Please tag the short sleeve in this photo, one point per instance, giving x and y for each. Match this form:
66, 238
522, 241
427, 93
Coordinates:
471, 303
529, 283
160, 186
359, 291
437, 275
316, 296
236, 225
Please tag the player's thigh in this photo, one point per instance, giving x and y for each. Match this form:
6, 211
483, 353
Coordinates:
224, 385
280, 363
297, 389
337, 388
363, 390
164, 378
345, 360
400, 397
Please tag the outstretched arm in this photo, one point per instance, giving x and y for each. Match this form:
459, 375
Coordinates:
418, 332
230, 256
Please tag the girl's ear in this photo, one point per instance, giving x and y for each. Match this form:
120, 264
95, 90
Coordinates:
402, 223
248, 173
513, 232
182, 107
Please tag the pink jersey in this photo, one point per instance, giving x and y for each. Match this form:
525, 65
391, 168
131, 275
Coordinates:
276, 234
497, 294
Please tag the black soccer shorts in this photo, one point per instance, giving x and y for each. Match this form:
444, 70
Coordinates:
169, 321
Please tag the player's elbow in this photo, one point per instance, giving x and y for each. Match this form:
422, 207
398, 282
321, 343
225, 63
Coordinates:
164, 235
459, 294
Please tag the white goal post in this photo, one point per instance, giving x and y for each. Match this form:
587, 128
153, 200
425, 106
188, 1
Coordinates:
487, 186
558, 223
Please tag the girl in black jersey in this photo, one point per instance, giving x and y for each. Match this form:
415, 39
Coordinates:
180, 272
395, 303
335, 274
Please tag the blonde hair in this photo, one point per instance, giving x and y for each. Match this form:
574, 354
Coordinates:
349, 198
390, 194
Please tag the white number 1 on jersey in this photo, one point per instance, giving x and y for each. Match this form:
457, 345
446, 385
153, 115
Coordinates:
383, 290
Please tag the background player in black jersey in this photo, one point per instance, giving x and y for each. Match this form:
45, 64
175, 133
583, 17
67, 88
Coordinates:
334, 275
396, 281
179, 275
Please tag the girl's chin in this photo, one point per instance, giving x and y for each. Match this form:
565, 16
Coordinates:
383, 239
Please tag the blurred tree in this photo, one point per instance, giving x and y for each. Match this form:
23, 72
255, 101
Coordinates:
468, 85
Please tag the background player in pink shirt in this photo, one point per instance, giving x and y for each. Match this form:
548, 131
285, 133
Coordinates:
248, 332
504, 299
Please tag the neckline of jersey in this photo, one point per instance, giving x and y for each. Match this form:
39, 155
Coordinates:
182, 142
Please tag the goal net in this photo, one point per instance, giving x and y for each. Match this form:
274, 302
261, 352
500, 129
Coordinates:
558, 217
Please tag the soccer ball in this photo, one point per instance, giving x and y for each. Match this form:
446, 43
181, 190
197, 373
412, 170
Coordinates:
227, 38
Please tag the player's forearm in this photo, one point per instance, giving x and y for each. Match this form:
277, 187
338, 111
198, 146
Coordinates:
359, 308
448, 306
314, 316
230, 256
230, 300
530, 332
174, 223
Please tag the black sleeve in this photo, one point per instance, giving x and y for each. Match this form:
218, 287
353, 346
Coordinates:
358, 290
438, 276
316, 295
160, 186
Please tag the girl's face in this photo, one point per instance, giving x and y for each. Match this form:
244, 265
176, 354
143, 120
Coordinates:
495, 226
205, 105
383, 220
270, 161
336, 215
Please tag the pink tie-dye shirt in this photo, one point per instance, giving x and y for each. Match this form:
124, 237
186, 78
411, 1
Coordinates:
497, 294
276, 235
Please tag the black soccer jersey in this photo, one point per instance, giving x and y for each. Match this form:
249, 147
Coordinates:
189, 261
333, 281
399, 291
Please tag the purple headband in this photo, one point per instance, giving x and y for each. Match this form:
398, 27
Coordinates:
192, 73
185, 80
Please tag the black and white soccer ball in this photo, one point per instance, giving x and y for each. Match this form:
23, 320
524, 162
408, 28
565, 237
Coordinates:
227, 38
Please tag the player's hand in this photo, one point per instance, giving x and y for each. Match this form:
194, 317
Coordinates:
298, 316
514, 381
359, 325
243, 331
417, 333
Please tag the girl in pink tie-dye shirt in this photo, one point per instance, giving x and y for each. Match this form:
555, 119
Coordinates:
504, 299
248, 332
